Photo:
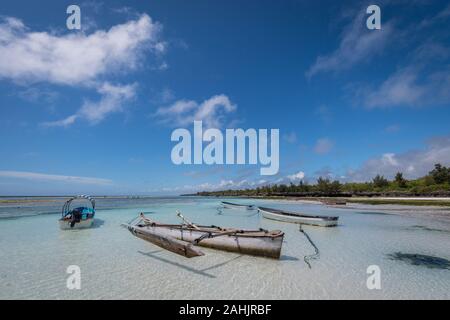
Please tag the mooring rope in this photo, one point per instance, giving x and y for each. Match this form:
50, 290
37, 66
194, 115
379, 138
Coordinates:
253, 214
314, 256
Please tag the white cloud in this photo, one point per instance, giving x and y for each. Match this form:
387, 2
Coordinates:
163, 66
290, 137
325, 114
221, 185
400, 88
112, 100
392, 128
323, 146
56, 178
358, 44
35, 94
296, 176
235, 184
413, 164
79, 59
422, 77
66, 122
441, 16
167, 95
184, 112
410, 87
74, 58
325, 172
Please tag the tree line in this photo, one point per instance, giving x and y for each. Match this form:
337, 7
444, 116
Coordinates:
436, 182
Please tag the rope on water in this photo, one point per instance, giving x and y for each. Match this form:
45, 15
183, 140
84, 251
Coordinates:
253, 214
314, 256
219, 210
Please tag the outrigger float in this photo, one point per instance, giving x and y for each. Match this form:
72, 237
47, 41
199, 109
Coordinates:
79, 217
184, 238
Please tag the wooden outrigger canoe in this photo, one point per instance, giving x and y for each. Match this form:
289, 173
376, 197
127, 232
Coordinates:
231, 205
293, 217
184, 238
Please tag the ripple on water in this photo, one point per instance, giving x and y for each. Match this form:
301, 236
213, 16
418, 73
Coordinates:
372, 213
116, 265
424, 228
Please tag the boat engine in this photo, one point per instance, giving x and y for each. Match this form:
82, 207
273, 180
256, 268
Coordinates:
76, 217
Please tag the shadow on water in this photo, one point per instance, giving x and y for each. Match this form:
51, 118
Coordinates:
421, 260
424, 228
152, 254
372, 213
30, 215
98, 223
288, 258
176, 264
222, 263
7, 218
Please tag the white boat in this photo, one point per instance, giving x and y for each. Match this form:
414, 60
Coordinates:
183, 238
293, 217
77, 218
231, 205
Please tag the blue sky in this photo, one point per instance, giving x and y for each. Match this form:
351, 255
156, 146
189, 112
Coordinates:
83, 111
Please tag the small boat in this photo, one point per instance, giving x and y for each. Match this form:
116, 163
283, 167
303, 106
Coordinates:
184, 238
231, 205
334, 202
79, 217
293, 217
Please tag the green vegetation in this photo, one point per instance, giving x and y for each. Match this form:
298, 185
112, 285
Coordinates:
401, 182
436, 183
408, 202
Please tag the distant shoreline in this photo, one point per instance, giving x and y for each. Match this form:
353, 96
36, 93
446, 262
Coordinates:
339, 201
410, 201
435, 208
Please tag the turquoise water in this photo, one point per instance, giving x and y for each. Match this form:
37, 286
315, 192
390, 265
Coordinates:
115, 265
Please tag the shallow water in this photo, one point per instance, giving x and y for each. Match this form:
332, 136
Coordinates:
115, 265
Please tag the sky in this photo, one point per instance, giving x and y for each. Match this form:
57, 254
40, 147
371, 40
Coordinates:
92, 110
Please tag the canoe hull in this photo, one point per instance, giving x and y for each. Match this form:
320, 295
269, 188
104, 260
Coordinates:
313, 221
65, 224
236, 206
260, 245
